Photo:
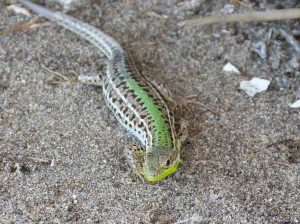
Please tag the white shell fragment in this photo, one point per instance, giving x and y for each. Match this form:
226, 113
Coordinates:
19, 10
230, 68
296, 104
66, 2
254, 86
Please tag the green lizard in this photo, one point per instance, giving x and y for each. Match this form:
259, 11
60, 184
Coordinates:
135, 102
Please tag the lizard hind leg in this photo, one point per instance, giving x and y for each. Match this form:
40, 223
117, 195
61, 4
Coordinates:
133, 154
180, 102
91, 80
182, 129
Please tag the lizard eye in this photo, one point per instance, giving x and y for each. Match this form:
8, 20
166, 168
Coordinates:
168, 162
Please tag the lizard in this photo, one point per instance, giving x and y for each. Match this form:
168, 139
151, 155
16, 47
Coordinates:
136, 103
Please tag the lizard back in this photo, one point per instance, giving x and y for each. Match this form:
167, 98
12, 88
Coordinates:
137, 104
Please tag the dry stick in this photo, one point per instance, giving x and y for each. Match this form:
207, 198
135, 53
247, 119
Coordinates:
255, 16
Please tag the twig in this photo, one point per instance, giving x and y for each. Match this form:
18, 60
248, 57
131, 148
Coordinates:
56, 73
280, 163
255, 16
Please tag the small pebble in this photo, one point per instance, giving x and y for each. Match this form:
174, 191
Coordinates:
228, 9
66, 2
259, 48
294, 62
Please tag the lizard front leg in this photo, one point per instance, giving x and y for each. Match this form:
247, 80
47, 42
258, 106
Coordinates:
95, 80
133, 155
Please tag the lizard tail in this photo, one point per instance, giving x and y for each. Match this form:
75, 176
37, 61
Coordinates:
105, 43
39, 9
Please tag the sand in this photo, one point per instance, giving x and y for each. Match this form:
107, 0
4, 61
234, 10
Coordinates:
61, 158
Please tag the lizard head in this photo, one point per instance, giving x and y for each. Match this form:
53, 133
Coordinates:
160, 161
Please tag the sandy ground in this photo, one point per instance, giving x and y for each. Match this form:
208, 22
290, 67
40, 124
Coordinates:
61, 157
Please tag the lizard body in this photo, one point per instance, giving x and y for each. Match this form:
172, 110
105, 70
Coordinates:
136, 104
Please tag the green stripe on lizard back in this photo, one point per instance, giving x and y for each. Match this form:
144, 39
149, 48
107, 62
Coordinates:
161, 129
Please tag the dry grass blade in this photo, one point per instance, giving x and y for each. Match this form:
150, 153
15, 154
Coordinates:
25, 26
255, 16
18, 27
